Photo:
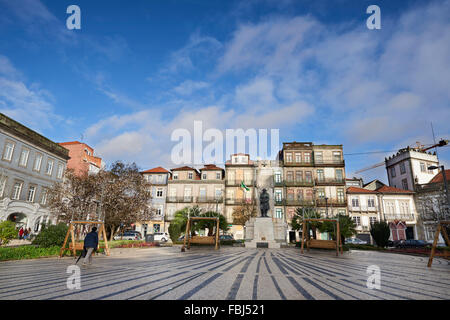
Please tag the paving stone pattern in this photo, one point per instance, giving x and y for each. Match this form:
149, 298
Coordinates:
228, 274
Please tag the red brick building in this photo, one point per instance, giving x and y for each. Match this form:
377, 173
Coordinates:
82, 159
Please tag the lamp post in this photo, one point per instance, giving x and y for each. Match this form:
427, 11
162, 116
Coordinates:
326, 206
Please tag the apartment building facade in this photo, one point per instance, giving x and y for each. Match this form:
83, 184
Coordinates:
239, 169
157, 180
189, 187
82, 159
313, 176
30, 164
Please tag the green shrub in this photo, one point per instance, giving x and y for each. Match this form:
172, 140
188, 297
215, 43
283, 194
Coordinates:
174, 231
27, 252
7, 232
380, 233
52, 235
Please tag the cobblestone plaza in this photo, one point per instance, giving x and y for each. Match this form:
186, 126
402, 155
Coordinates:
228, 274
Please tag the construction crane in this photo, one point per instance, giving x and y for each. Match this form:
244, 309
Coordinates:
419, 147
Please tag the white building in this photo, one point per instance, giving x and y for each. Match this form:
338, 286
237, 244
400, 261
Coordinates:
409, 167
375, 202
30, 164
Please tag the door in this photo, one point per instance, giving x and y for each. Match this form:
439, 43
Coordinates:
292, 236
409, 233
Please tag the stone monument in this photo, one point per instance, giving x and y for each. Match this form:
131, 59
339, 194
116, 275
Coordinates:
264, 231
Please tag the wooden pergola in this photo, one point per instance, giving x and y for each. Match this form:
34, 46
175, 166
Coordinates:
322, 244
440, 230
74, 246
200, 239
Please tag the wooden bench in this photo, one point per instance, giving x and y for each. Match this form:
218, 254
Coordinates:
322, 244
78, 246
203, 240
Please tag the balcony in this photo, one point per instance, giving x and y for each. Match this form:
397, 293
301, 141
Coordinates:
363, 209
299, 202
298, 164
401, 217
236, 201
330, 181
237, 183
298, 183
184, 199
329, 163
331, 202
209, 200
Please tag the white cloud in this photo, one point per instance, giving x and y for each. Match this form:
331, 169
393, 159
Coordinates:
188, 87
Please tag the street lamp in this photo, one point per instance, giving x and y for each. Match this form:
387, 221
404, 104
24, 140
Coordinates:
326, 206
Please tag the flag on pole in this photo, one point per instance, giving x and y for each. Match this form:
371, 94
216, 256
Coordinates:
243, 186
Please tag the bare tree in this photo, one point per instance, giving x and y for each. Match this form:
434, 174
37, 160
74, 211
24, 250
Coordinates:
243, 213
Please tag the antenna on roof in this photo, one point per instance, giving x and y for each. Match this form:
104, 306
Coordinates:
434, 140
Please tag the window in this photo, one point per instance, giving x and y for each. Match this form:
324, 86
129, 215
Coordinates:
357, 221
337, 156
405, 184
44, 195
290, 176
393, 172
37, 162
49, 167
279, 213
339, 175
3, 185
300, 195
8, 151
423, 167
218, 176
298, 157
298, 176
318, 157
175, 176
190, 175
371, 203
60, 171
341, 195
31, 193
404, 207
278, 195
321, 193
23, 161
355, 202
203, 176
159, 193
218, 193
17, 190
308, 176
290, 195
320, 175
289, 157
307, 157
390, 207
277, 177
159, 211
203, 193
429, 171
373, 220
402, 168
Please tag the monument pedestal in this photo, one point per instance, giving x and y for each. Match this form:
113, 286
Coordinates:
265, 233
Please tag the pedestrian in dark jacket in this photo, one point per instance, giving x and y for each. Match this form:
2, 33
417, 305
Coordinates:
90, 245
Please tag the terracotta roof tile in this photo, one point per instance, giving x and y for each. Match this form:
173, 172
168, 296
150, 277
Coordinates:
359, 190
387, 189
156, 170
439, 178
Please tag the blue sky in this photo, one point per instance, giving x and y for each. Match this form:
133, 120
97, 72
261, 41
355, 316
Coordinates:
137, 70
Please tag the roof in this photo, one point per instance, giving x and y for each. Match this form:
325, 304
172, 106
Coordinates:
156, 170
210, 167
439, 178
392, 190
359, 190
185, 168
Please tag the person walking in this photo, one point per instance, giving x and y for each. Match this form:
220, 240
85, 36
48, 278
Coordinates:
21, 233
90, 245
25, 234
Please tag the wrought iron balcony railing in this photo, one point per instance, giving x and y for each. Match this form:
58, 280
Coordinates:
329, 181
209, 199
402, 217
183, 199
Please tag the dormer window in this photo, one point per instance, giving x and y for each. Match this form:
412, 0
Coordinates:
190, 175
175, 176
204, 176
218, 176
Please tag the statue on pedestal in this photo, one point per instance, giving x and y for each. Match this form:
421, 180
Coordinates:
264, 203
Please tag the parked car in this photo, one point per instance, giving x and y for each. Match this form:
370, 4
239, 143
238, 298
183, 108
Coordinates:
355, 241
226, 237
161, 236
411, 244
128, 236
